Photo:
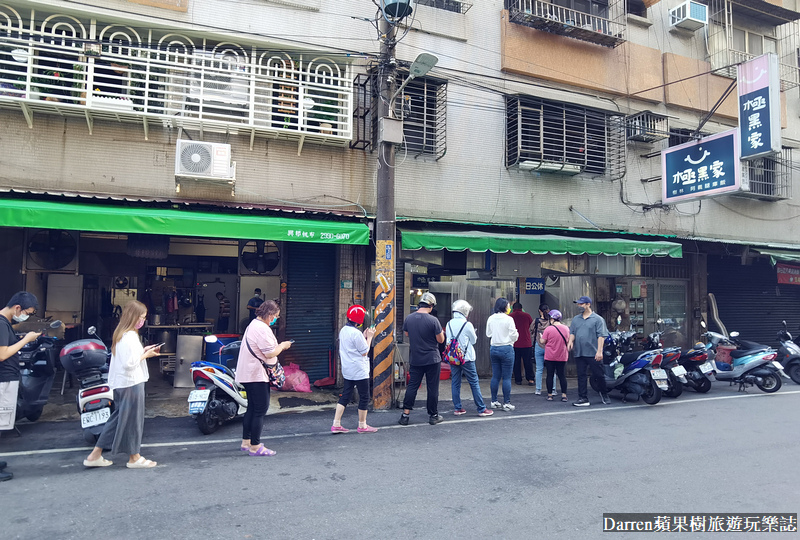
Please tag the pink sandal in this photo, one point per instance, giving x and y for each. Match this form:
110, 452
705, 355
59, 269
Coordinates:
263, 451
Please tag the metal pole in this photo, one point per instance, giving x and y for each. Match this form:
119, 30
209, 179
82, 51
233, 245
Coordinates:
385, 252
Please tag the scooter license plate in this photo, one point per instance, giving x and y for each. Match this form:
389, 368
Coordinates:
679, 371
706, 368
662, 384
198, 395
95, 418
659, 374
777, 365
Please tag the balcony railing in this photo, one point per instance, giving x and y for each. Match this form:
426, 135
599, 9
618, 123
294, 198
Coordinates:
222, 88
543, 15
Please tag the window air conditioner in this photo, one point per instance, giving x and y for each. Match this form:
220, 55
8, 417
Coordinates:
689, 16
203, 160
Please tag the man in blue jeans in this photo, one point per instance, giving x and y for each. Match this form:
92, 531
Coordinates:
586, 337
424, 333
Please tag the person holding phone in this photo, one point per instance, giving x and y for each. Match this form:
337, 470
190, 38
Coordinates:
353, 354
127, 375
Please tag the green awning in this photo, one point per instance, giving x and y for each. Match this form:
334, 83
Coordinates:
776, 255
125, 219
481, 241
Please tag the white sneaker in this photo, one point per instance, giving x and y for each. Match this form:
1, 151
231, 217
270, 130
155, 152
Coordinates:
508, 407
496, 405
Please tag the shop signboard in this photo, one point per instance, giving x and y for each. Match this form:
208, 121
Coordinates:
534, 285
700, 169
419, 281
788, 274
759, 87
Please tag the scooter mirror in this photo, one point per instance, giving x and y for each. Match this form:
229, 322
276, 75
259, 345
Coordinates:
703, 324
734, 334
56, 324
92, 330
210, 338
784, 324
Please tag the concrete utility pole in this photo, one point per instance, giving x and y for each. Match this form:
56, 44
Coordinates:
385, 252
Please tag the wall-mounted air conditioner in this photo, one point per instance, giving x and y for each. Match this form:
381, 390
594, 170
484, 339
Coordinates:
689, 16
552, 167
204, 161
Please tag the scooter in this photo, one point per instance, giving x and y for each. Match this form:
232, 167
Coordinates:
789, 354
753, 363
217, 397
87, 360
37, 361
632, 373
699, 369
676, 373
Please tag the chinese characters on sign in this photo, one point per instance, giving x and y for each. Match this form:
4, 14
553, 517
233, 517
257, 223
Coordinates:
788, 275
534, 285
759, 107
701, 168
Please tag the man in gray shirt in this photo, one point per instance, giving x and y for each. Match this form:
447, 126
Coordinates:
586, 337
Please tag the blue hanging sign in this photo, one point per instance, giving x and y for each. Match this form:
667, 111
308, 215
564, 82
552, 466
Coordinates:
759, 88
534, 285
700, 169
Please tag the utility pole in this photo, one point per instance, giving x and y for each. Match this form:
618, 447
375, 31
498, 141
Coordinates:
385, 249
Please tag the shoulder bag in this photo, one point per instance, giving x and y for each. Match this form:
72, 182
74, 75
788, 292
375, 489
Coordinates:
274, 371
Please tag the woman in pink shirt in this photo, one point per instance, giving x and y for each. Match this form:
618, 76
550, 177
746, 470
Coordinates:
554, 339
259, 348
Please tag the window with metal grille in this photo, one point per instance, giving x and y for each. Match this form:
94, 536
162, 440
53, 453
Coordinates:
551, 136
423, 110
456, 6
769, 177
679, 136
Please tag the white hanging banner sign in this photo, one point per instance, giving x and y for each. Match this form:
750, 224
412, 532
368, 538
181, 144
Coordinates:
759, 107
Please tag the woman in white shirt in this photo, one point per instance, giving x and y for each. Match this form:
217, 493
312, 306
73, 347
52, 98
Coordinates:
501, 329
127, 374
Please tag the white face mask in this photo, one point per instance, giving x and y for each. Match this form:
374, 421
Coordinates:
22, 317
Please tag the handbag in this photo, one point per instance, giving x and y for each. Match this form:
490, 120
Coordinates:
274, 371
453, 353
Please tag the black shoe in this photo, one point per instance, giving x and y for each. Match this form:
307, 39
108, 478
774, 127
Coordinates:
435, 419
605, 398
518, 382
582, 402
3, 465
6, 476
403, 420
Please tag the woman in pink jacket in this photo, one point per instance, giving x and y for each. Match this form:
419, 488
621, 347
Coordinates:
554, 340
259, 348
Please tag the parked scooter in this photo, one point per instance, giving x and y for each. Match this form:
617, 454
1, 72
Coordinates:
699, 369
753, 363
217, 396
37, 361
87, 361
632, 373
789, 354
676, 374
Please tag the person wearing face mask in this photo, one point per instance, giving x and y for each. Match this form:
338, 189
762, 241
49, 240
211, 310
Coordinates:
586, 337
259, 349
127, 375
21, 306
254, 302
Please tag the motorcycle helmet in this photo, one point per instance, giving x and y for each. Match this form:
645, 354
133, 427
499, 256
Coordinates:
462, 306
555, 314
428, 298
356, 314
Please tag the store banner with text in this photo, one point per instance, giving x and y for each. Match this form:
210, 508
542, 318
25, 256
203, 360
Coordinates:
759, 87
788, 274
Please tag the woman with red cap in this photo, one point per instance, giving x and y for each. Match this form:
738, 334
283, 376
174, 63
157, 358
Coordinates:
353, 350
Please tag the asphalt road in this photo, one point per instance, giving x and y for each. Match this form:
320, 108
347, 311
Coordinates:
546, 470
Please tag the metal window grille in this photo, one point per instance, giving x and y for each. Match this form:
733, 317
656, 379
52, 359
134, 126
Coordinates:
724, 54
448, 5
647, 127
423, 110
663, 267
596, 21
768, 177
545, 135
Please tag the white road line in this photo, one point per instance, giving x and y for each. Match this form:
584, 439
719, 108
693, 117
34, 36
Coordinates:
496, 416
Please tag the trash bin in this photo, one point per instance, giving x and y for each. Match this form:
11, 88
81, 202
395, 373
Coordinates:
212, 349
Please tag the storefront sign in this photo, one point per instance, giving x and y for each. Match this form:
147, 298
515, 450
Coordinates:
700, 169
534, 285
788, 274
419, 281
759, 87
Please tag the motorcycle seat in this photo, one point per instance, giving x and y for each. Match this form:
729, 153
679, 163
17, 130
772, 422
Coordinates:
751, 345
629, 358
740, 353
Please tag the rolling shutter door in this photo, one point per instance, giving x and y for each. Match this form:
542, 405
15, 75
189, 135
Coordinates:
310, 318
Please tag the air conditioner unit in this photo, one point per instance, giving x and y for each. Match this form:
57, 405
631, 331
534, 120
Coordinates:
51, 250
689, 16
220, 77
204, 160
552, 167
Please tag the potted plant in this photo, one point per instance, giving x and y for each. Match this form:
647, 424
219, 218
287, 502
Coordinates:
326, 113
